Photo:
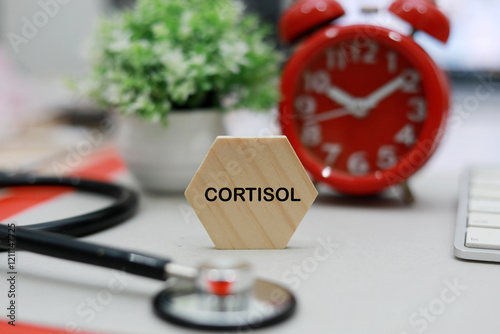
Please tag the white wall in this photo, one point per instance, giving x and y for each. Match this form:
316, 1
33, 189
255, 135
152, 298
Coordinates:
57, 49
46, 37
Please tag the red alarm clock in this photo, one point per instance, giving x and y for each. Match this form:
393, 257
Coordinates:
363, 106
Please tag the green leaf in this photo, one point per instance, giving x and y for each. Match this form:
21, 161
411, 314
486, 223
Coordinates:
182, 54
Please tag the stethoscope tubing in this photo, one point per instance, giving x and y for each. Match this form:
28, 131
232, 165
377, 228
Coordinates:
55, 238
66, 248
125, 204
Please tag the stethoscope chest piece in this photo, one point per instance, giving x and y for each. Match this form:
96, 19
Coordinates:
224, 298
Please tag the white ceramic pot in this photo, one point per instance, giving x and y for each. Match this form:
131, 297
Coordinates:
165, 159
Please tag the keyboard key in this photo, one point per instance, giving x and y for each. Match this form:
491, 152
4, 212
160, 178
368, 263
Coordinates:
486, 184
484, 205
490, 174
483, 192
481, 219
478, 237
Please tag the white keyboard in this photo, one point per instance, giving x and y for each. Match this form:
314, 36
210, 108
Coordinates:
477, 234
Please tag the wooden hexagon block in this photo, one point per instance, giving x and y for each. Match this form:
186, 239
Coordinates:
251, 192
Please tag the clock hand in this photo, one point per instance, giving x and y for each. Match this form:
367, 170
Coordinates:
327, 116
373, 99
356, 106
341, 97
359, 107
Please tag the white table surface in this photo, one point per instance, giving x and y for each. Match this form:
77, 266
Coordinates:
388, 261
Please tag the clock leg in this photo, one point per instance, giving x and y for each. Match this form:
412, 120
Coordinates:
406, 193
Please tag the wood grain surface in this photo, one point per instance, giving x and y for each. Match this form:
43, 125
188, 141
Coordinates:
251, 192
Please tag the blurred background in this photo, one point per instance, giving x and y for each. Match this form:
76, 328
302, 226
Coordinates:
34, 63
59, 47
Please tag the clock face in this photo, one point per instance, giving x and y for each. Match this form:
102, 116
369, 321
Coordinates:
360, 107
364, 107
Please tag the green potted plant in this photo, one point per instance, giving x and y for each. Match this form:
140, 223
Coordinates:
169, 67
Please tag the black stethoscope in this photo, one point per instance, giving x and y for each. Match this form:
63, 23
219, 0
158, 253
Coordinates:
217, 295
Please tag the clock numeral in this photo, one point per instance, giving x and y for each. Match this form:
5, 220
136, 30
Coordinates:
411, 81
406, 136
336, 58
317, 82
370, 56
386, 157
355, 51
419, 109
392, 62
305, 105
311, 135
332, 152
357, 164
